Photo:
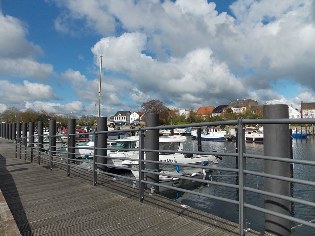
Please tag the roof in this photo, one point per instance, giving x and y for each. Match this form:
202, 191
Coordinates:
205, 110
308, 106
219, 109
122, 113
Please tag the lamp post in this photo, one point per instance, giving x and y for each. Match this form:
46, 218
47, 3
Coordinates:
100, 87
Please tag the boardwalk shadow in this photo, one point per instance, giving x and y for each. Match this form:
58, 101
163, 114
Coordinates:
11, 195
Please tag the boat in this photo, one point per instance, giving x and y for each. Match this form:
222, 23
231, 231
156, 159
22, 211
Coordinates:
210, 134
169, 147
254, 135
299, 135
86, 150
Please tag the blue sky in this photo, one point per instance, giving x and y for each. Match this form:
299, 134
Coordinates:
185, 53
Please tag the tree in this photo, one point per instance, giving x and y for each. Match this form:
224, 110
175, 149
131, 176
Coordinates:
158, 107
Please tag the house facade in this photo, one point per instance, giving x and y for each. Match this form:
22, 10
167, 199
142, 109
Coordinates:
308, 110
294, 113
219, 110
135, 117
122, 117
242, 105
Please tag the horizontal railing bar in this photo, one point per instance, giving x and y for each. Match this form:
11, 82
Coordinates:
289, 160
291, 199
193, 179
192, 192
293, 180
193, 165
297, 220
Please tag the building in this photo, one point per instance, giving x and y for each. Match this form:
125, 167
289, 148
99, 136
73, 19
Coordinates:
294, 113
136, 117
219, 110
308, 110
122, 117
205, 112
241, 106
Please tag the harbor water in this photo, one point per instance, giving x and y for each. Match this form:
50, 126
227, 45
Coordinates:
302, 149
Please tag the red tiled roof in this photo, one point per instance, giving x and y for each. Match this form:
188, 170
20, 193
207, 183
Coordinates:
205, 110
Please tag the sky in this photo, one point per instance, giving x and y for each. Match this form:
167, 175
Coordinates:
185, 53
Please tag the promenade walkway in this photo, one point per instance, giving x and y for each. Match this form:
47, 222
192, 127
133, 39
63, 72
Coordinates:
45, 202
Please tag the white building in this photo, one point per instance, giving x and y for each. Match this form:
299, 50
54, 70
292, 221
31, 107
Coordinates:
135, 117
294, 113
122, 117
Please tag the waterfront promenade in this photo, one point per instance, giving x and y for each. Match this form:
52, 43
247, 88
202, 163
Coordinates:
45, 202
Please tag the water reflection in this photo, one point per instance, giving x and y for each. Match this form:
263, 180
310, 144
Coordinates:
304, 150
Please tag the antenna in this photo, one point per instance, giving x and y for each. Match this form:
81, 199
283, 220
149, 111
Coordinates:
100, 87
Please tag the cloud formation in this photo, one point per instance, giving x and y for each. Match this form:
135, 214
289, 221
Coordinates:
182, 52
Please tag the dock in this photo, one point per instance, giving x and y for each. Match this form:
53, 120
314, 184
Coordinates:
48, 202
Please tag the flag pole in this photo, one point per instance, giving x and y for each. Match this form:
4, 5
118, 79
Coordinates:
100, 87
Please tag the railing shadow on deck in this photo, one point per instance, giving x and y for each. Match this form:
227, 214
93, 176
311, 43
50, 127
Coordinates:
11, 195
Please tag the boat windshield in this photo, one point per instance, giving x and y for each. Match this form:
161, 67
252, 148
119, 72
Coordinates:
122, 145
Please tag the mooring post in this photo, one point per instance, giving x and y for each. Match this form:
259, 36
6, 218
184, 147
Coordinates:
71, 143
101, 146
40, 133
14, 132
18, 139
152, 142
31, 138
4, 130
52, 141
276, 144
24, 138
10, 131
141, 165
199, 140
94, 159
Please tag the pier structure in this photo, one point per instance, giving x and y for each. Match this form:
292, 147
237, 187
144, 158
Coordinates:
48, 193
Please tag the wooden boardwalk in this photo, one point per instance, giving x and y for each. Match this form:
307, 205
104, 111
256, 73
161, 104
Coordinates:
45, 202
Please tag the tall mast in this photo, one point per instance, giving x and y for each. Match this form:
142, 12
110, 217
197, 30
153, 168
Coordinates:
100, 87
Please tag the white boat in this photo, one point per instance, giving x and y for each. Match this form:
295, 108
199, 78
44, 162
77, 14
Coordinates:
254, 135
86, 150
210, 135
171, 144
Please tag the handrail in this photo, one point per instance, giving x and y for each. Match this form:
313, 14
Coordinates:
53, 155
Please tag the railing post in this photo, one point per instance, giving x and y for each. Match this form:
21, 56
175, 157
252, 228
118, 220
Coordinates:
71, 143
52, 142
141, 165
40, 133
31, 138
152, 142
241, 177
276, 143
24, 138
101, 146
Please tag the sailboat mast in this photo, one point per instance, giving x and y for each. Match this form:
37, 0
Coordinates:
100, 87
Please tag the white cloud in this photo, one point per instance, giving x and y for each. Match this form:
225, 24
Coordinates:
198, 74
19, 93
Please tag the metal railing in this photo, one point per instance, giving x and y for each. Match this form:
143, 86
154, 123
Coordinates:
66, 157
